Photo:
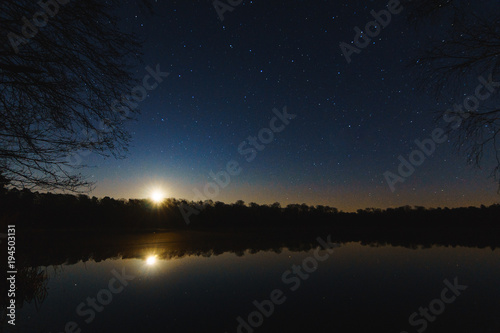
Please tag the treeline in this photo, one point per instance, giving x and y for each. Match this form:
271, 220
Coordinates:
33, 210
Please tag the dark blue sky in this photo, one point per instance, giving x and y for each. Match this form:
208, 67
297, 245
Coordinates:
352, 120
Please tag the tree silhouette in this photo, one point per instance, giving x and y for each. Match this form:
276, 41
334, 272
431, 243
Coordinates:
63, 68
465, 49
3, 183
34, 210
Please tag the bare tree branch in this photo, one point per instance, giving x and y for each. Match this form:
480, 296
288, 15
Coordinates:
58, 88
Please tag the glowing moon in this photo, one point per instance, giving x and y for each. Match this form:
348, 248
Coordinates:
151, 260
157, 196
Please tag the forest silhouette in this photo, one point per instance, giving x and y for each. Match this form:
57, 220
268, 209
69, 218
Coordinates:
48, 211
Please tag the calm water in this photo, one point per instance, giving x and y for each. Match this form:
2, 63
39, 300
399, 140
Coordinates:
166, 284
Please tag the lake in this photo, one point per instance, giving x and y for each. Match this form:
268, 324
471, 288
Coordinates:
244, 282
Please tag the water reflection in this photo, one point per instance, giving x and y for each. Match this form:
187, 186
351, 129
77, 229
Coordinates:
151, 260
199, 281
70, 247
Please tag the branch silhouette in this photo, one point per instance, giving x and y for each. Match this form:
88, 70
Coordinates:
58, 83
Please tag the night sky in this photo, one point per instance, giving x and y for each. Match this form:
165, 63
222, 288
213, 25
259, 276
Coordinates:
352, 120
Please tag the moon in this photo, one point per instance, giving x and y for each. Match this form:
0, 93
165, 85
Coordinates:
157, 196
151, 260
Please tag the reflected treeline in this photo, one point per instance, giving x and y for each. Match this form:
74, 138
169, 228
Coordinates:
33, 210
59, 248
31, 287
37, 251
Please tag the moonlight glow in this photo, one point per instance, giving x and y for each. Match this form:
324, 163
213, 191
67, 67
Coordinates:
157, 196
151, 260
